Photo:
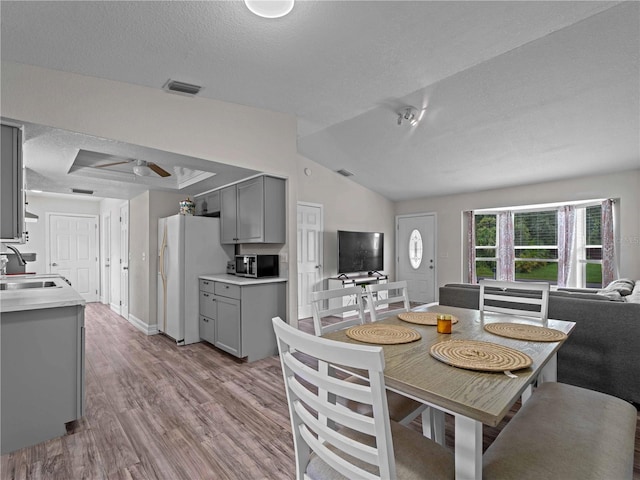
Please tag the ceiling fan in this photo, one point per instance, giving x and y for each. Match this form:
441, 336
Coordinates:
141, 168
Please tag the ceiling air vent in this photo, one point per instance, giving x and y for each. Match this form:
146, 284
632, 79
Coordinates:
345, 173
84, 192
182, 88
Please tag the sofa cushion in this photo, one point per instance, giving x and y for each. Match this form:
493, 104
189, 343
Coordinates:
580, 295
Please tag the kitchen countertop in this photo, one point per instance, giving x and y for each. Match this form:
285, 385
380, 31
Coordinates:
241, 281
62, 295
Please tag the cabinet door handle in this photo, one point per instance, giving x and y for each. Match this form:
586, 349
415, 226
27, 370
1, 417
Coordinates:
54, 264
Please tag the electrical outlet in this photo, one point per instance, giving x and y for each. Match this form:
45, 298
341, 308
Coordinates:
284, 257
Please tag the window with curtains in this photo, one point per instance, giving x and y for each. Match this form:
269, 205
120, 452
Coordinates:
536, 245
590, 253
486, 246
543, 249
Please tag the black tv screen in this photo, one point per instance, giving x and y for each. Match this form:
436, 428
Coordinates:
360, 251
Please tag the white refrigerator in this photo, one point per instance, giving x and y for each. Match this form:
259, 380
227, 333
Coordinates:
188, 247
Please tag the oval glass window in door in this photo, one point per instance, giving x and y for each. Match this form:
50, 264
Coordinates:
415, 249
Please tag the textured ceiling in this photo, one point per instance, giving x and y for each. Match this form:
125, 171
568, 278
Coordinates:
515, 92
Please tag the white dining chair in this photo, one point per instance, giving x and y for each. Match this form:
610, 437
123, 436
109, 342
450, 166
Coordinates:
344, 303
350, 444
381, 296
527, 299
328, 307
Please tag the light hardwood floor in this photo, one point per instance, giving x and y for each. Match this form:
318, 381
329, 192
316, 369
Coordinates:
157, 411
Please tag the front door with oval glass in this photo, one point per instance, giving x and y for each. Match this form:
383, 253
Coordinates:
415, 255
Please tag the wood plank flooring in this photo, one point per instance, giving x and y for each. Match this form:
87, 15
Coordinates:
157, 411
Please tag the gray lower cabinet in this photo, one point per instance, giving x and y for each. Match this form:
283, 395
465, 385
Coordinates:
237, 319
42, 374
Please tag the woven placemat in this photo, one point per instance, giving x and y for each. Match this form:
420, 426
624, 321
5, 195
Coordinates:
482, 356
382, 334
423, 318
523, 331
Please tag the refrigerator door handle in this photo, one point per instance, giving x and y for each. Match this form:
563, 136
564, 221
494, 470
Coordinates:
163, 275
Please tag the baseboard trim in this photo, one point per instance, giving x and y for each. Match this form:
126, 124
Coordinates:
115, 308
143, 327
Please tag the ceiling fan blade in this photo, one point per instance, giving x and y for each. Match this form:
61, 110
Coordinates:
112, 164
158, 169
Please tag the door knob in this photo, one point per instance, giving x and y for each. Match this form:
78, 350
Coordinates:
125, 268
54, 264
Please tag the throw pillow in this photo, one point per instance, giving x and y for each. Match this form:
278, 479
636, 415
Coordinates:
624, 286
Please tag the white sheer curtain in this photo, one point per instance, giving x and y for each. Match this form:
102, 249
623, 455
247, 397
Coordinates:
470, 221
506, 256
566, 244
609, 260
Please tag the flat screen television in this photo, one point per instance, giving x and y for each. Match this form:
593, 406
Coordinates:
360, 251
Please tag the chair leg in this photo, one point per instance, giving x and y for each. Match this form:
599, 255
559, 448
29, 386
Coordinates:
433, 424
527, 393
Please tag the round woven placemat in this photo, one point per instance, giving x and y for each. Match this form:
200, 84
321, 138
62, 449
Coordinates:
382, 334
423, 318
482, 356
522, 331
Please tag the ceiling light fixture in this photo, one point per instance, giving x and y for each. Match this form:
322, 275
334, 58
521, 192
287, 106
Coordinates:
409, 115
141, 169
270, 8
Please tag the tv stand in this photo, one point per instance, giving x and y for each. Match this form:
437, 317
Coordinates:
361, 280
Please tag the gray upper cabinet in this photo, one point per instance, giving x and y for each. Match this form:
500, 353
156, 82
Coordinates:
228, 214
11, 187
254, 211
209, 204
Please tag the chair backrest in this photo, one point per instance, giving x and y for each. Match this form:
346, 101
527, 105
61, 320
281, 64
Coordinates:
521, 298
352, 456
385, 294
336, 303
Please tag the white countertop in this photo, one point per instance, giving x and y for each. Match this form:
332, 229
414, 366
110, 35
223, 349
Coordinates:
62, 295
241, 281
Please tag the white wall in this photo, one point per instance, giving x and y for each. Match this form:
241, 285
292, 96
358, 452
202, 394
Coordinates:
41, 205
207, 129
347, 206
625, 186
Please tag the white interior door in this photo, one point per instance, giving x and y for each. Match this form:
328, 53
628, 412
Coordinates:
124, 260
73, 251
416, 256
106, 259
310, 254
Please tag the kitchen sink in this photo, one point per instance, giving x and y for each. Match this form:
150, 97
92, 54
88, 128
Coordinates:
29, 284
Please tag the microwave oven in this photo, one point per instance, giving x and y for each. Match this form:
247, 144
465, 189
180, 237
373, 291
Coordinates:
257, 266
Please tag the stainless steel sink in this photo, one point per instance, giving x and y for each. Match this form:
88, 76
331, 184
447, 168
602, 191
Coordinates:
28, 284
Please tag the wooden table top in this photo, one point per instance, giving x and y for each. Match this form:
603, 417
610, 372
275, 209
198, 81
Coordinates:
482, 396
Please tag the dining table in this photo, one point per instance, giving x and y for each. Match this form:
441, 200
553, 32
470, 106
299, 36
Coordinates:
474, 397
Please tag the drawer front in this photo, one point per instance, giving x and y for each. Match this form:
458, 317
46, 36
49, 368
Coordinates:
207, 305
227, 290
207, 286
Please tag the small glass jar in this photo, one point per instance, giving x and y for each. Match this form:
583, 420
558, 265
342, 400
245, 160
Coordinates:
444, 323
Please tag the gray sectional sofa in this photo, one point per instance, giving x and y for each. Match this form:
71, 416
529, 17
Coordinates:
603, 351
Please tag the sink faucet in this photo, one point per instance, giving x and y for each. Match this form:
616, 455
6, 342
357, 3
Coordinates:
21, 261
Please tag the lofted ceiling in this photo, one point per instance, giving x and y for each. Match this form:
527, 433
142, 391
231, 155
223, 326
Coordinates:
508, 92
